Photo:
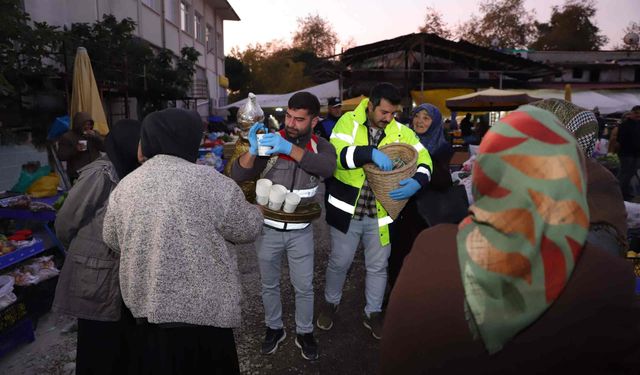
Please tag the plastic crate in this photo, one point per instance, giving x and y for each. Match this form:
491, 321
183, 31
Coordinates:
19, 333
21, 254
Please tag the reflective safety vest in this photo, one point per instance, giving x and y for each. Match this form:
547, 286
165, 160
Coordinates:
284, 170
343, 190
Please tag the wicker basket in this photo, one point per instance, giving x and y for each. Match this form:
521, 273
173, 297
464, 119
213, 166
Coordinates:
382, 182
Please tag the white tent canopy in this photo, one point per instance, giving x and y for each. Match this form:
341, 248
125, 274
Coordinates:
607, 101
323, 91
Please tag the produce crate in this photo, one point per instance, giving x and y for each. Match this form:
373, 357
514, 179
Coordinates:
21, 254
19, 333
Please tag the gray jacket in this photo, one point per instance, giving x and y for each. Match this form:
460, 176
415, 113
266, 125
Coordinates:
88, 285
319, 161
173, 223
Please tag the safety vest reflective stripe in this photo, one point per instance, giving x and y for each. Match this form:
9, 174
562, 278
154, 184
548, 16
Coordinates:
306, 193
418, 146
343, 137
384, 221
424, 170
341, 205
351, 164
281, 225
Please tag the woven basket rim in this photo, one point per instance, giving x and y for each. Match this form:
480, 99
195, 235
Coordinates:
372, 168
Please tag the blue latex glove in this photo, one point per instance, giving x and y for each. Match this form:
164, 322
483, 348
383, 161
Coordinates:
408, 187
278, 144
381, 159
253, 139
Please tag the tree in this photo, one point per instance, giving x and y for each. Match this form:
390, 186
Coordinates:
315, 34
505, 22
633, 27
570, 29
434, 24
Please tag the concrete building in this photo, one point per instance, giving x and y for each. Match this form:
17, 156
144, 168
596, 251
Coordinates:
171, 24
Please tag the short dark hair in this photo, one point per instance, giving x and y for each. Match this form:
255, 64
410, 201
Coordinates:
386, 91
305, 100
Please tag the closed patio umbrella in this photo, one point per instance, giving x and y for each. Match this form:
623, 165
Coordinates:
85, 96
490, 100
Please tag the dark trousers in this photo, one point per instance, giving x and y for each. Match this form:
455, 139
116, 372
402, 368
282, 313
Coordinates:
105, 348
187, 349
629, 166
403, 231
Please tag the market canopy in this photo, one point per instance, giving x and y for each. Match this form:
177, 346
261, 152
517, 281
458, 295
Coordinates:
490, 100
322, 91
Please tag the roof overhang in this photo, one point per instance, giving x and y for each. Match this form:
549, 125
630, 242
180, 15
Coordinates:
224, 10
461, 52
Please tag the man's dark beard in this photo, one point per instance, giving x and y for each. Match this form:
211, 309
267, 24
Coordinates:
301, 140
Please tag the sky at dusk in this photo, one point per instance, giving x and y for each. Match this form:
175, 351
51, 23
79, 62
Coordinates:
371, 21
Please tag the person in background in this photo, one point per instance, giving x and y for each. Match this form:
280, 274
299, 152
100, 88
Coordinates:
602, 124
354, 214
88, 287
426, 121
334, 111
466, 126
608, 226
515, 288
628, 138
81, 145
301, 159
173, 222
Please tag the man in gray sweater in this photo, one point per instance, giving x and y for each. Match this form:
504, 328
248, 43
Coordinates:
299, 160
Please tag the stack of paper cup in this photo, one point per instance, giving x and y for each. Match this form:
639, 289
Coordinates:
276, 197
291, 201
263, 188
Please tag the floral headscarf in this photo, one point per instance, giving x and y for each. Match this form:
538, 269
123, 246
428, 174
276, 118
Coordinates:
525, 232
580, 122
433, 139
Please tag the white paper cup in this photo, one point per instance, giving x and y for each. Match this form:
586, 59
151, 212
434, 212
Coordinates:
83, 144
263, 188
276, 197
262, 150
291, 201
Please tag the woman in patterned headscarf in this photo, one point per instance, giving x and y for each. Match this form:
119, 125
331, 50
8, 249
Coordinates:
607, 224
515, 288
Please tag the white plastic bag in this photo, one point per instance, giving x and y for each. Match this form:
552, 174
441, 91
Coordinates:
6, 291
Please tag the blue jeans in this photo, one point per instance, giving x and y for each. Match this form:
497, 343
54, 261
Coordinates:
298, 245
343, 249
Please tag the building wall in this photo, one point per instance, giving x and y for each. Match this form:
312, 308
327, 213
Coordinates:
148, 15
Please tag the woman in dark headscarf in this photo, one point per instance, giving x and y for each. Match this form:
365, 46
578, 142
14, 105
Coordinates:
88, 286
173, 222
426, 121
515, 288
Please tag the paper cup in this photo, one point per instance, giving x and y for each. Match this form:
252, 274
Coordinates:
83, 144
262, 150
263, 188
291, 201
276, 197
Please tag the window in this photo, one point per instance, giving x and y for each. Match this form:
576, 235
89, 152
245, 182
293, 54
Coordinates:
153, 4
220, 49
208, 39
595, 75
185, 24
170, 11
198, 27
577, 73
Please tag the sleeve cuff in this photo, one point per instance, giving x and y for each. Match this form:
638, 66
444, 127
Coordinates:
423, 175
352, 157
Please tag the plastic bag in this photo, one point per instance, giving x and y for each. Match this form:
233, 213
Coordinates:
27, 178
6, 291
601, 148
250, 113
46, 186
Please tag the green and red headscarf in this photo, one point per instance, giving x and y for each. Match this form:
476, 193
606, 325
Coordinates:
525, 232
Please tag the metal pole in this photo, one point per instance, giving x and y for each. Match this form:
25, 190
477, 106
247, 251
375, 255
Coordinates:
422, 72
